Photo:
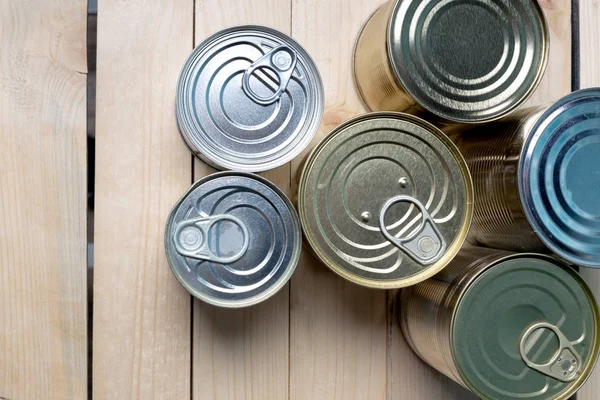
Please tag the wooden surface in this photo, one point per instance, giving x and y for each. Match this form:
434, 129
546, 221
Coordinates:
320, 337
43, 343
242, 354
589, 34
557, 79
141, 327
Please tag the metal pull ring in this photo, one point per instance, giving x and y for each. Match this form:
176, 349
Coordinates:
191, 238
282, 61
564, 365
426, 246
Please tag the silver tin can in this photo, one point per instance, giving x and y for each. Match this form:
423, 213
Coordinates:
452, 61
504, 325
249, 99
233, 240
385, 200
536, 175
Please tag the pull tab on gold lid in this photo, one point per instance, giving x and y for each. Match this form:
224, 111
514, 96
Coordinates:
426, 245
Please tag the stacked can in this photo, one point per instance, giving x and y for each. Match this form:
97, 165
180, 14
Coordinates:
233, 239
505, 326
385, 200
452, 61
537, 179
249, 99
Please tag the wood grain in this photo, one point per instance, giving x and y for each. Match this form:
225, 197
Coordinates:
338, 330
242, 354
142, 346
557, 79
589, 37
43, 342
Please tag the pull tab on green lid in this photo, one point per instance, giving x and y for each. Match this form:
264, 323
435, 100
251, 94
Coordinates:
526, 328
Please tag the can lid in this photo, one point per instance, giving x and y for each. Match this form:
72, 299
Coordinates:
233, 239
249, 99
559, 177
527, 327
469, 61
385, 200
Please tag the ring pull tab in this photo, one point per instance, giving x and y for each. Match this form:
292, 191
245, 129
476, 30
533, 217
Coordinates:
191, 238
282, 61
426, 246
564, 366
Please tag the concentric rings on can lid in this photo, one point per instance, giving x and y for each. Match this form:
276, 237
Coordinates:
527, 327
385, 200
249, 99
469, 61
559, 177
233, 239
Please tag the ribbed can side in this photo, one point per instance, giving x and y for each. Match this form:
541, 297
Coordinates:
376, 82
425, 320
493, 152
427, 309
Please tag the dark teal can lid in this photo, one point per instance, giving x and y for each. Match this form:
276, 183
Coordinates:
527, 327
559, 178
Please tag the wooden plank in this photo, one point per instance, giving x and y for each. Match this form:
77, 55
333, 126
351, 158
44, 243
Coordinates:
43, 342
242, 354
557, 79
338, 330
589, 36
142, 327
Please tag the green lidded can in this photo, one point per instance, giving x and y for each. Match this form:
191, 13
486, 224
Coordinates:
504, 325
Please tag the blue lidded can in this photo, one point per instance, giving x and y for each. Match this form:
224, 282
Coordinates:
537, 179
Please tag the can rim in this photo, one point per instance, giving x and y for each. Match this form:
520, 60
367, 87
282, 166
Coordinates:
263, 295
574, 386
312, 127
452, 249
533, 87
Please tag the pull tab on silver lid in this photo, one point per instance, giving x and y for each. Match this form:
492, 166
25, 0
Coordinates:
564, 365
281, 61
191, 238
426, 246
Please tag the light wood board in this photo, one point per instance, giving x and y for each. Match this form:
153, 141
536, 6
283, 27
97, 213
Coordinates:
242, 354
43, 343
557, 79
589, 39
338, 330
142, 332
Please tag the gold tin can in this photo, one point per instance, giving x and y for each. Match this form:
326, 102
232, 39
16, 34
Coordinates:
452, 61
536, 175
385, 200
505, 326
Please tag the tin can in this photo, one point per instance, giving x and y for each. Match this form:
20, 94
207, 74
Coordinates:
537, 179
385, 200
452, 61
504, 325
249, 99
233, 240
